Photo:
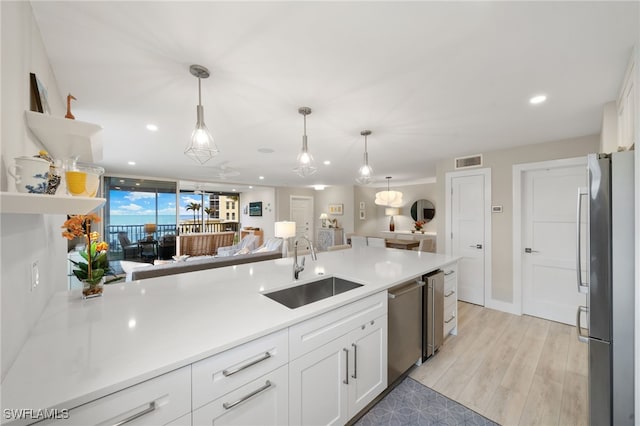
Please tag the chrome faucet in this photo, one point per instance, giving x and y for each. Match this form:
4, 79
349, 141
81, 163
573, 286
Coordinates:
299, 268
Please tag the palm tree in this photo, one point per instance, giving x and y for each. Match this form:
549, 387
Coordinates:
195, 207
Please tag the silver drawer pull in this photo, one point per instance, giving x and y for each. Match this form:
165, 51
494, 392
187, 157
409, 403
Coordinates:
150, 408
346, 372
229, 406
355, 361
451, 293
418, 285
451, 271
227, 373
450, 319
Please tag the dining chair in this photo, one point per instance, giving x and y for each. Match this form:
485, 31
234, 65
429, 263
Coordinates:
358, 241
376, 242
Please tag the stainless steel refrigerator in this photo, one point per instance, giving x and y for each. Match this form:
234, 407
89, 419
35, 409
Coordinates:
608, 280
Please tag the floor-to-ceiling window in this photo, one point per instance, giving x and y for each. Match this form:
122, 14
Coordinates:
132, 204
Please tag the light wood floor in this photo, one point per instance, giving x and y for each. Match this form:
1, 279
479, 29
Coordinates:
515, 370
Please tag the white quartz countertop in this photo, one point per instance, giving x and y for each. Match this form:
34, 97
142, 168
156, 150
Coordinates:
81, 350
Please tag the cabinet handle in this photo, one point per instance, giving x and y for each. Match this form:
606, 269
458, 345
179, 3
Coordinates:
355, 361
346, 357
227, 373
451, 271
450, 319
452, 292
150, 408
229, 406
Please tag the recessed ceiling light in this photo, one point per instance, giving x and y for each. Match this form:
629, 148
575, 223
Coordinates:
319, 187
234, 190
131, 163
265, 150
538, 99
152, 127
261, 177
327, 162
250, 187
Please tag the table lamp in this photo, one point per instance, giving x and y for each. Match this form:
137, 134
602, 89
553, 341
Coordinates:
391, 211
285, 230
150, 229
324, 217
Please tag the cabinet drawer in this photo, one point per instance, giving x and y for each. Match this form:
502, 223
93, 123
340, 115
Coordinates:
450, 271
449, 291
219, 374
263, 401
162, 399
450, 318
313, 333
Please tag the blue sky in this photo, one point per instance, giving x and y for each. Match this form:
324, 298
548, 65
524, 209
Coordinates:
144, 203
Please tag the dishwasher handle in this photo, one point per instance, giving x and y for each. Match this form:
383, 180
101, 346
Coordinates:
406, 289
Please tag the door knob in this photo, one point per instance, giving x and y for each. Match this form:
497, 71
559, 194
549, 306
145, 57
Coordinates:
528, 250
476, 246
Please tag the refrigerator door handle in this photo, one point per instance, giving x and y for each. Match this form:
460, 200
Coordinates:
582, 287
581, 337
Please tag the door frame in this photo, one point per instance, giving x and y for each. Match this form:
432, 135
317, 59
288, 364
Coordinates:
486, 173
518, 174
312, 224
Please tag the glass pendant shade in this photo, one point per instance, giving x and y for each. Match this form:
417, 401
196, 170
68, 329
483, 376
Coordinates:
305, 164
365, 172
201, 146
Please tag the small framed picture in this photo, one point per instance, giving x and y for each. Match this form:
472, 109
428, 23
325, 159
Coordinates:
255, 208
363, 216
361, 205
336, 209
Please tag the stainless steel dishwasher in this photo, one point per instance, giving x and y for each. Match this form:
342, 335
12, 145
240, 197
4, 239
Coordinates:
405, 328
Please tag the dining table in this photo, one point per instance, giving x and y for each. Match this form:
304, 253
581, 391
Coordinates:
401, 244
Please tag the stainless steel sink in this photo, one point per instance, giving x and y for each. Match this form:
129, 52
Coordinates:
303, 294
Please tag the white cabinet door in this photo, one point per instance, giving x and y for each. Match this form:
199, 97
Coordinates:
317, 388
261, 402
368, 365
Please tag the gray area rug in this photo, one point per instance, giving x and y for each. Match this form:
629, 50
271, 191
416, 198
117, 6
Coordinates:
412, 403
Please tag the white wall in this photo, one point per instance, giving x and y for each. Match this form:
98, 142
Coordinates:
268, 218
501, 162
376, 221
342, 194
24, 237
609, 133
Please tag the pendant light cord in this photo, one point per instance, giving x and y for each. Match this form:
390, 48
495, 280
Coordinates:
199, 93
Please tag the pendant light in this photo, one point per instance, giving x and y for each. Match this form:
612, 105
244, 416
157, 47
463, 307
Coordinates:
201, 148
305, 164
365, 173
389, 198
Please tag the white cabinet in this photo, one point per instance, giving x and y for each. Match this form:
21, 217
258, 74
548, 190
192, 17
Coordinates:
246, 385
328, 237
338, 362
159, 401
450, 299
263, 402
628, 103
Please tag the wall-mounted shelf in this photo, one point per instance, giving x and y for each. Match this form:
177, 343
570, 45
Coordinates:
64, 138
18, 202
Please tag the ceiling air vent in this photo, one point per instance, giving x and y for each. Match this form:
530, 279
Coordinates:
470, 161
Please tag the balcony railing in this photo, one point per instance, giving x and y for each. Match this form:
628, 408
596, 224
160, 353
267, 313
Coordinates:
136, 232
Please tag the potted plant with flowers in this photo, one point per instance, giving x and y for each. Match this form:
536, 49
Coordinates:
419, 224
91, 273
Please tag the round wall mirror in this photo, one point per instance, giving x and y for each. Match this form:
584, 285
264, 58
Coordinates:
423, 210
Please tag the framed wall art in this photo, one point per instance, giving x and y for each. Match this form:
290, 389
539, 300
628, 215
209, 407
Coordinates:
336, 209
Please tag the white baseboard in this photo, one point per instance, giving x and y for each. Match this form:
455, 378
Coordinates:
499, 305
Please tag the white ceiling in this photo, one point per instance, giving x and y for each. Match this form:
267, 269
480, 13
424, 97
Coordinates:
431, 80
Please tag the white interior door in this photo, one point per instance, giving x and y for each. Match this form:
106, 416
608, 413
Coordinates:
468, 235
548, 252
301, 212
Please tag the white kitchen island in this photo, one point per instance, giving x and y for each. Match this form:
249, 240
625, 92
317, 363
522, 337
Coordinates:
84, 350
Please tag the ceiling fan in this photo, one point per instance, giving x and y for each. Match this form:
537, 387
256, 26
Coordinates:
222, 171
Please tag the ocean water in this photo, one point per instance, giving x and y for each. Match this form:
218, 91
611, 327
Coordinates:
139, 219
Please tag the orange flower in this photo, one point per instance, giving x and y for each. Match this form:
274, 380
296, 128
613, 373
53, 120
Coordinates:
102, 246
